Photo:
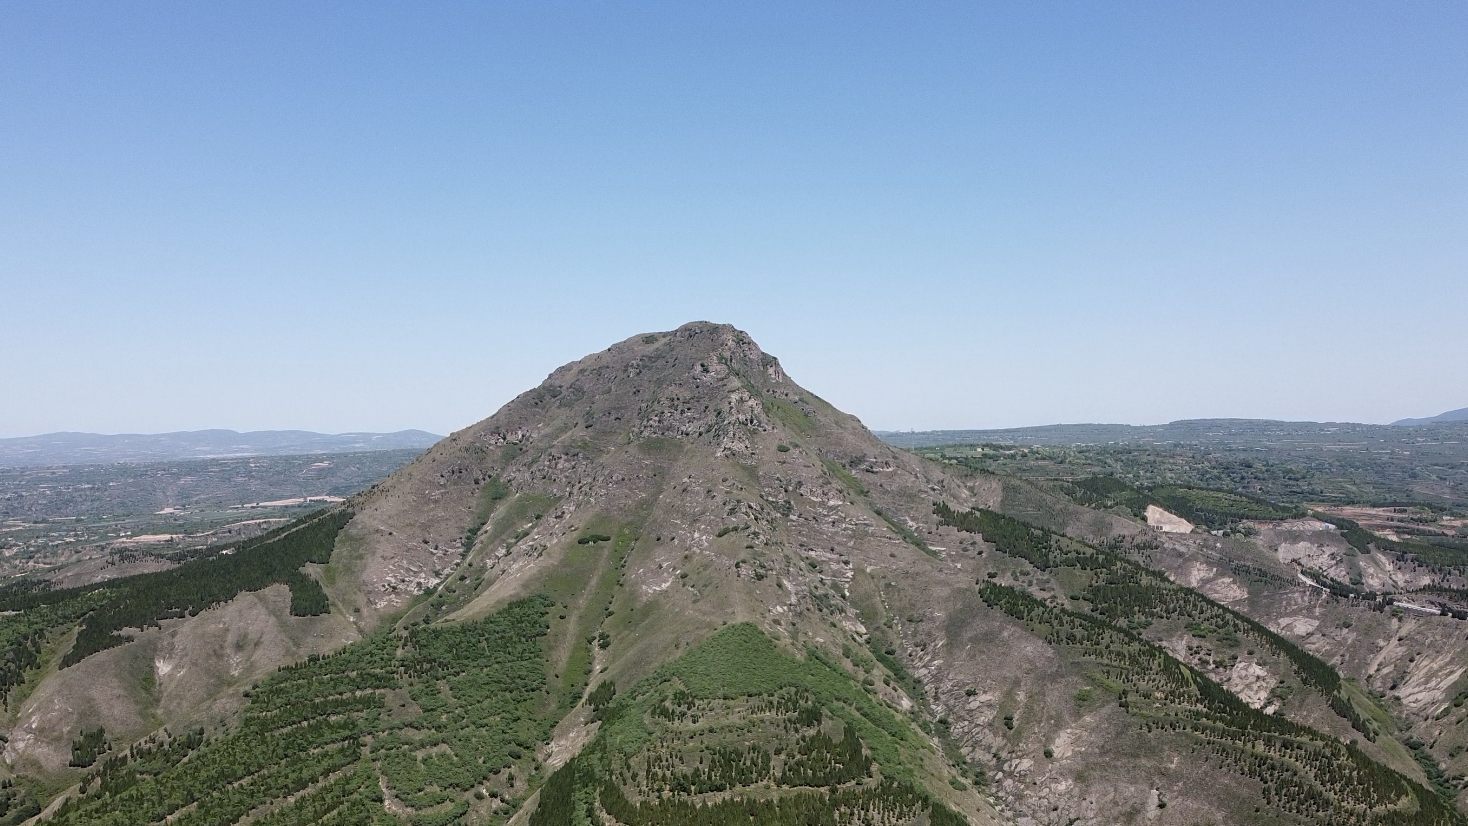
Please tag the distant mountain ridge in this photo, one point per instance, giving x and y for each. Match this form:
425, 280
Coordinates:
95, 448
1459, 415
1246, 433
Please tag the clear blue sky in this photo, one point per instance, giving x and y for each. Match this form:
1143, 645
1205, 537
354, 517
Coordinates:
358, 216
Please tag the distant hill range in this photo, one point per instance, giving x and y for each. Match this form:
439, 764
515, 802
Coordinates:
1459, 415
97, 448
1221, 433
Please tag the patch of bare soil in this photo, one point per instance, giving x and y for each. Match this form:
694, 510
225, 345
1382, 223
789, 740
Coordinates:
1167, 522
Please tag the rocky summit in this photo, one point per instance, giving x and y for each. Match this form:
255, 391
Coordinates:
671, 586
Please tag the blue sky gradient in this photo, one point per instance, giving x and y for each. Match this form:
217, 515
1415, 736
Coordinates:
361, 216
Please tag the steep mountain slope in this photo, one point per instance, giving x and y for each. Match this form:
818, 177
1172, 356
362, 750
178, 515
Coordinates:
1405, 655
671, 586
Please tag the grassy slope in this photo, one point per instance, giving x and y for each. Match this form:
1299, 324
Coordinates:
715, 701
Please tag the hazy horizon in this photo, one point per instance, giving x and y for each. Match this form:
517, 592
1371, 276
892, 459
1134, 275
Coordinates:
445, 433
384, 217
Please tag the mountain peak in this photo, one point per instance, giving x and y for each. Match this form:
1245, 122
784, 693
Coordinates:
703, 382
660, 425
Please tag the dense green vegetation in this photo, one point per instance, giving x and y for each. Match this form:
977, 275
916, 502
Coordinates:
17, 804
735, 731
1218, 509
1109, 493
1214, 509
28, 636
432, 715
601, 696
88, 747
